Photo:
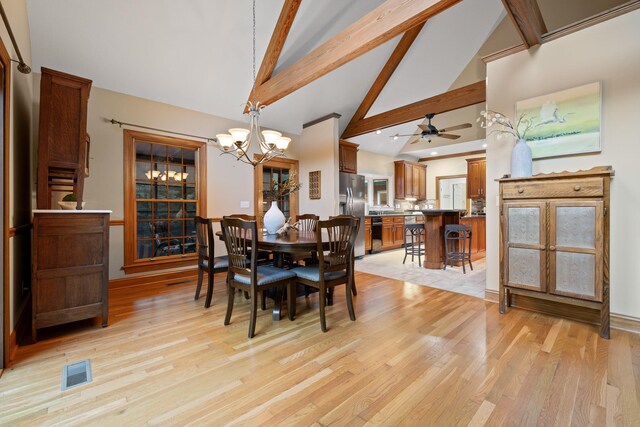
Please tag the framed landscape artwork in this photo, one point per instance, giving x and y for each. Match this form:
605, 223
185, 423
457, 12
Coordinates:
566, 122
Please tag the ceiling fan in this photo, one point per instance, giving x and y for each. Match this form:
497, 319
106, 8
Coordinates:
429, 131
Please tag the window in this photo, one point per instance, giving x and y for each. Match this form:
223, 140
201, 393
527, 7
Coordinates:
279, 170
164, 191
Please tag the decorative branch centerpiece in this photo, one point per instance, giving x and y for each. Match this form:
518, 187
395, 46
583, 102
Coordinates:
274, 219
521, 157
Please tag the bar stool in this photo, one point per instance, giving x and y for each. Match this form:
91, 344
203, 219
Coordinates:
413, 238
457, 243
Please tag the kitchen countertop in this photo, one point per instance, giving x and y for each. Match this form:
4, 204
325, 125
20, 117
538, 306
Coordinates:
474, 216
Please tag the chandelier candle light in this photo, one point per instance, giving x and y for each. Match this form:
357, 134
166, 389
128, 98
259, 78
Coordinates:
238, 141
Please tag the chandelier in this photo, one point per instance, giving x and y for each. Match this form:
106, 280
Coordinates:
239, 141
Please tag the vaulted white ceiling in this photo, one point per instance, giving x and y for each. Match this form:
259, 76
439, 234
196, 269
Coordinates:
197, 54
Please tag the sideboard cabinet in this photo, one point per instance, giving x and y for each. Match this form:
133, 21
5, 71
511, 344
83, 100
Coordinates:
554, 243
70, 267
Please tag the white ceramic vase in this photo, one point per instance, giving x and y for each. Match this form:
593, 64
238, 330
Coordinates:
274, 219
521, 160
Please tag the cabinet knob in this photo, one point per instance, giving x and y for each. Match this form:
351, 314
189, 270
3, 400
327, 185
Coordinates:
552, 248
520, 190
577, 188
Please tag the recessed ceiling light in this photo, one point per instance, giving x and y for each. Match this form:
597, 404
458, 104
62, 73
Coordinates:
395, 137
433, 153
484, 145
378, 132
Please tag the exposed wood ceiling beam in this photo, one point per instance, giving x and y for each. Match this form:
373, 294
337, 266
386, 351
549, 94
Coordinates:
385, 74
457, 98
388, 20
278, 38
527, 18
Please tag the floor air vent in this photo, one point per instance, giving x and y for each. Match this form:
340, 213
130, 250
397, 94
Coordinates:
75, 374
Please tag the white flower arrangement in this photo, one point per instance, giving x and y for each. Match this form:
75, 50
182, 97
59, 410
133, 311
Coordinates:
491, 118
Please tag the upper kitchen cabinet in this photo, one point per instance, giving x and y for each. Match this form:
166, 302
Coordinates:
411, 180
348, 157
476, 178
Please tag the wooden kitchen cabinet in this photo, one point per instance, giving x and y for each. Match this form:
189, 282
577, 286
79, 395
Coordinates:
478, 235
476, 178
398, 230
70, 267
410, 180
367, 234
554, 240
388, 237
348, 157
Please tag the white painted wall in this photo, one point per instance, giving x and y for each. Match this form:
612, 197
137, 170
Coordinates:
608, 52
318, 151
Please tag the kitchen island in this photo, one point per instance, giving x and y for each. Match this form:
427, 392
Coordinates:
434, 222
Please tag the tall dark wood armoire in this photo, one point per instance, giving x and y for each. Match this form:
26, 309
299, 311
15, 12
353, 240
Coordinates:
63, 145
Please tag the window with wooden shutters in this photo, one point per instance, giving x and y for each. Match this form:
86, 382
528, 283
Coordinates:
164, 190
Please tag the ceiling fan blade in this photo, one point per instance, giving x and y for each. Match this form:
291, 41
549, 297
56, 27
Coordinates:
462, 126
423, 127
448, 136
412, 134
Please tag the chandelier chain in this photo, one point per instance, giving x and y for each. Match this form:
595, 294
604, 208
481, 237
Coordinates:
254, 50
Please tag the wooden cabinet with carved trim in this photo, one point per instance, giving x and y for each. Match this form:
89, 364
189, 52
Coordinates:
554, 245
476, 178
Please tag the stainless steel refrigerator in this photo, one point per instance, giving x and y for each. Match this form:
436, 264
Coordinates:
352, 203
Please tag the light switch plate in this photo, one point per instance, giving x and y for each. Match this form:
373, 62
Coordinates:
244, 204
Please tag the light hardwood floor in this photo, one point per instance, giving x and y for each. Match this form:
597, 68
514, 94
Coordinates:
415, 356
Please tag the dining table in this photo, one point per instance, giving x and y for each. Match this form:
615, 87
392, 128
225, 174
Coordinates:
295, 241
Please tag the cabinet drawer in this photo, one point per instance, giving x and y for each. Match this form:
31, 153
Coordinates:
589, 187
398, 220
388, 220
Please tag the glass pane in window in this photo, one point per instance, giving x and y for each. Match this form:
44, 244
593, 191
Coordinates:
143, 210
191, 210
190, 227
174, 154
175, 192
175, 210
143, 191
144, 248
175, 246
176, 229
190, 192
159, 153
189, 245
159, 229
191, 174
143, 171
189, 156
160, 191
160, 210
143, 151
144, 230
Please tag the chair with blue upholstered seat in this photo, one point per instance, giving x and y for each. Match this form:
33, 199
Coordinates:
207, 261
239, 237
335, 262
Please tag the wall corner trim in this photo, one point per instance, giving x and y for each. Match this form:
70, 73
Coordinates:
321, 119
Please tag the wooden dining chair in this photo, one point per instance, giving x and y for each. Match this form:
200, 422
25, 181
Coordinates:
335, 264
307, 222
207, 261
239, 237
353, 265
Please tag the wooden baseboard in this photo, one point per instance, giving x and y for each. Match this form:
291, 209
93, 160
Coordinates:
618, 321
159, 278
13, 346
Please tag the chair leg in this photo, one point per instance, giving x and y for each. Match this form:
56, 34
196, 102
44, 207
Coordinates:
207, 302
230, 297
329, 296
352, 313
463, 270
291, 300
321, 300
263, 300
353, 278
470, 265
199, 285
254, 314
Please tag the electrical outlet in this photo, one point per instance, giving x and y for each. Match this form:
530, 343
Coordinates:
244, 204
